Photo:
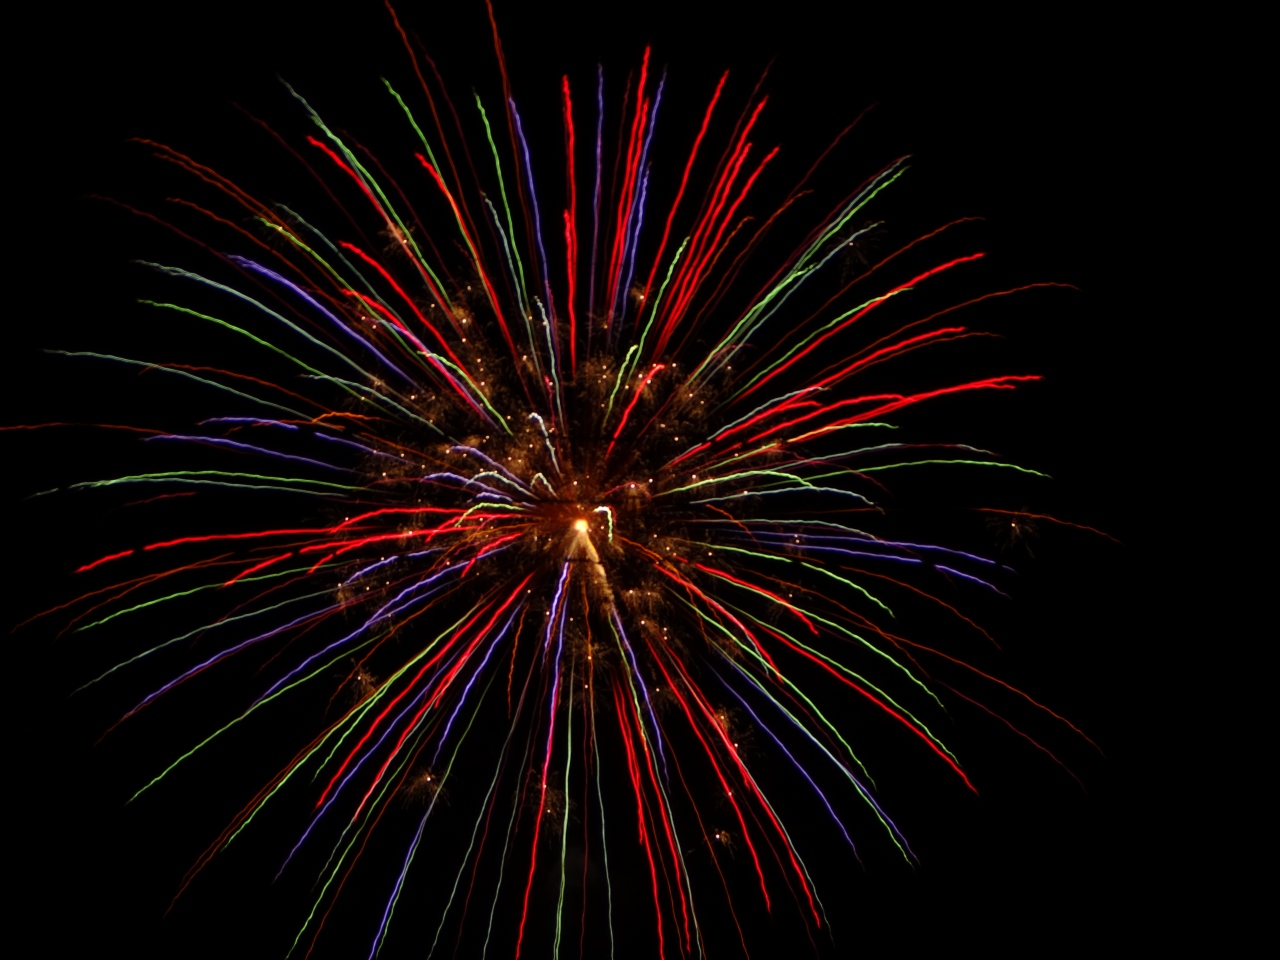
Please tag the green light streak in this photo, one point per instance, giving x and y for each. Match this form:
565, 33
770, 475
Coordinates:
781, 827
774, 444
769, 447
508, 507
758, 592
415, 353
239, 330
297, 242
756, 315
502, 863
653, 310
474, 386
747, 494
341, 859
849, 583
387, 686
298, 766
381, 692
791, 560
367, 394
386, 209
333, 874
444, 778
475, 254
818, 333
501, 477
261, 703
969, 463
619, 380
245, 298
192, 633
551, 354
736, 476
861, 790
804, 523
845, 670
523, 305
180, 476
356, 715
182, 373
186, 593
718, 548
342, 257
506, 206
471, 846
768, 668
412, 122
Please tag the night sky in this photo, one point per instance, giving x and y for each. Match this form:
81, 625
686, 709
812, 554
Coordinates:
1040, 124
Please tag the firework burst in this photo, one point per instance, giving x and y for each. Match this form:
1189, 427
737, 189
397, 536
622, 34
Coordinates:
560, 513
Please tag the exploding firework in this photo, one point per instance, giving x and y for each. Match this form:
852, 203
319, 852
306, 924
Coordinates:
587, 501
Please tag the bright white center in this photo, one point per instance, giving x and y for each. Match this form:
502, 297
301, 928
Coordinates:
580, 526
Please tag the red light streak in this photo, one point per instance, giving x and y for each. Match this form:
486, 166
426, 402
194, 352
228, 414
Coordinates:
684, 182
724, 784
627, 194
879, 703
858, 316
406, 298
113, 556
570, 227
657, 367
389, 707
484, 277
633, 768
261, 566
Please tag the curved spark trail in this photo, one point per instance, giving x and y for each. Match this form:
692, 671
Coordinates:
564, 505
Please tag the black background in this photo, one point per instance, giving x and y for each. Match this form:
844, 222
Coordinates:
1066, 133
